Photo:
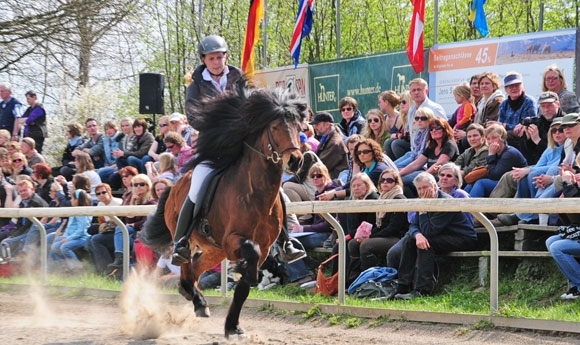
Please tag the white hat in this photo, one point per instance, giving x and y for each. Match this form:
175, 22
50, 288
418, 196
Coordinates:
175, 117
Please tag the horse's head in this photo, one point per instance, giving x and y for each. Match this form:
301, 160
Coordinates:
281, 137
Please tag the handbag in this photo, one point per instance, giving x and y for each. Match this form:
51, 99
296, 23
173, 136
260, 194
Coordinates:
327, 286
363, 231
475, 174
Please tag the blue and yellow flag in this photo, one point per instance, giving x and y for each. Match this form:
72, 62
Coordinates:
478, 18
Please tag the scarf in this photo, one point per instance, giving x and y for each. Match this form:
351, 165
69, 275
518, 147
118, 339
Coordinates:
397, 190
517, 103
482, 104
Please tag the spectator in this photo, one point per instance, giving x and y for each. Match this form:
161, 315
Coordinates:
4, 138
423, 117
476, 155
167, 274
299, 187
85, 167
554, 80
94, 146
75, 139
450, 181
5, 165
430, 233
501, 158
475, 91
27, 147
127, 131
13, 147
536, 130
64, 195
177, 146
178, 124
101, 246
158, 146
159, 186
167, 168
74, 237
369, 157
332, 150
515, 108
440, 149
376, 127
353, 121
419, 90
488, 105
141, 195
388, 227
465, 113
398, 144
10, 109
34, 120
310, 136
345, 175
20, 165
41, 175
388, 103
140, 144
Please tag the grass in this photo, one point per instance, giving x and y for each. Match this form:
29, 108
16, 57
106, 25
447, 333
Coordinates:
528, 288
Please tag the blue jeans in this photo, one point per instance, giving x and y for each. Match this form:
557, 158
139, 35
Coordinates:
118, 239
65, 251
139, 163
563, 251
481, 188
313, 240
105, 173
405, 159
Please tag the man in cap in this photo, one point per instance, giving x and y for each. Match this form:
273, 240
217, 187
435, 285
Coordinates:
332, 151
515, 108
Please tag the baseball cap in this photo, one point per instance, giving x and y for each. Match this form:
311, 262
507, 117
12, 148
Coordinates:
570, 119
548, 96
322, 117
512, 78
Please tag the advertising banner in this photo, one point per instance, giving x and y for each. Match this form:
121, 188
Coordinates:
528, 54
295, 80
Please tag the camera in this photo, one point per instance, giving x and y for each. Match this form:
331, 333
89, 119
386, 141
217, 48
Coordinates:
529, 121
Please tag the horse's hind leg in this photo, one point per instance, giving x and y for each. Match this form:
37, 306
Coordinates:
248, 269
189, 290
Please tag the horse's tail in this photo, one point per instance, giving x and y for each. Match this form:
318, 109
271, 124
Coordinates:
155, 232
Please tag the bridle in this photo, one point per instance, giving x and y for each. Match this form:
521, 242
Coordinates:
274, 155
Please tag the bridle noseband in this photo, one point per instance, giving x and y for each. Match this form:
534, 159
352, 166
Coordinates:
274, 156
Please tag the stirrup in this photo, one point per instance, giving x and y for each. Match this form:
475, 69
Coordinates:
181, 253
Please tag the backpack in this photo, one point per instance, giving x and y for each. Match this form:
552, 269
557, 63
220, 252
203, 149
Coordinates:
372, 289
375, 274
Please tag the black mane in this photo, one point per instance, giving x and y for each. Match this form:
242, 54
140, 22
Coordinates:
227, 121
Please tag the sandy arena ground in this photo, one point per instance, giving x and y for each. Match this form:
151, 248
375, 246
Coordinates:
28, 318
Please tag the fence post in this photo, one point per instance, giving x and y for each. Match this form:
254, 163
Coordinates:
126, 253
43, 248
494, 261
341, 254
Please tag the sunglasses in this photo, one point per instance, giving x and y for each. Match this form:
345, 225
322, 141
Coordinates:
316, 176
101, 193
169, 147
388, 180
346, 109
163, 125
557, 130
18, 160
403, 102
436, 128
552, 78
375, 119
422, 118
447, 175
363, 152
139, 184
305, 130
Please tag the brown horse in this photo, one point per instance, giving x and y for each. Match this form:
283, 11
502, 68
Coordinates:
253, 136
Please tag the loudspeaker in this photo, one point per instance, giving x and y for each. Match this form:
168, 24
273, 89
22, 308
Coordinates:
151, 87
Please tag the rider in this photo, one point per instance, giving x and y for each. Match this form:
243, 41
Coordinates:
210, 79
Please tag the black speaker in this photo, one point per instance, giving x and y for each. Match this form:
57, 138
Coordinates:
151, 87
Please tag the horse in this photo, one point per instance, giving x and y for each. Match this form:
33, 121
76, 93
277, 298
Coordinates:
252, 135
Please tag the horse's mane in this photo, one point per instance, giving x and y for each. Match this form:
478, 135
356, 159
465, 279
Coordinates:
227, 121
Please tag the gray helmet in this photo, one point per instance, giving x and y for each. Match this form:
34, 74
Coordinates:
212, 44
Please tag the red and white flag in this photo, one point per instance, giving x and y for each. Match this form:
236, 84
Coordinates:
415, 43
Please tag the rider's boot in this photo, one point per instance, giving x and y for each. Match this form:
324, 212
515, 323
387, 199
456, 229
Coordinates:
181, 250
288, 252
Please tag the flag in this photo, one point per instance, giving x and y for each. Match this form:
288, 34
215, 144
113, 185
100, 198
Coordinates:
415, 43
477, 17
255, 14
304, 22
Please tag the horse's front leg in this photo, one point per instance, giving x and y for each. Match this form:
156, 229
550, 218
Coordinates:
188, 288
248, 268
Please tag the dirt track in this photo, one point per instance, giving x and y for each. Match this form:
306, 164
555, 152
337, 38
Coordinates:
28, 318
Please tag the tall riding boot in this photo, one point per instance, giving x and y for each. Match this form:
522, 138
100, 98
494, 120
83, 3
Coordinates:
118, 262
181, 251
288, 252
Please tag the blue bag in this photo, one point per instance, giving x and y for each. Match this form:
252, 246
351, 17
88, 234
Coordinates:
377, 274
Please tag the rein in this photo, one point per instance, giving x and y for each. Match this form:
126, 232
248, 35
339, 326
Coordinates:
275, 157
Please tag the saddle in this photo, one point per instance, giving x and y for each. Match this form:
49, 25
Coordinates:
203, 203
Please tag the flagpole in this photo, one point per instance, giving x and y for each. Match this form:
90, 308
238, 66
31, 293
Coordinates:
338, 29
436, 23
265, 36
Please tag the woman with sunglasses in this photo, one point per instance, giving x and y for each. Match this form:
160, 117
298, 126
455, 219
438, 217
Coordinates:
387, 227
441, 148
376, 128
423, 117
140, 195
158, 146
320, 228
20, 165
368, 156
353, 121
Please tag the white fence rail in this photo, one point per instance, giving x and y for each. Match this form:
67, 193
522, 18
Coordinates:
475, 206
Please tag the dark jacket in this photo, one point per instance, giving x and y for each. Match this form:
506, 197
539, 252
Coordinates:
431, 224
67, 157
505, 161
393, 224
139, 146
23, 224
353, 220
355, 126
333, 152
35, 122
320, 224
531, 150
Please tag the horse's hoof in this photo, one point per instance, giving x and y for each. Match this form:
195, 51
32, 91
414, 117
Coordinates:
202, 312
235, 331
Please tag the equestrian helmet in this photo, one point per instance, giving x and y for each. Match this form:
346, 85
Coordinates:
211, 44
